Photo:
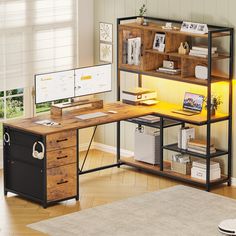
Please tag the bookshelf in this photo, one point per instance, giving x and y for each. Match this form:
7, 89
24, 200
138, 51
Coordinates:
151, 59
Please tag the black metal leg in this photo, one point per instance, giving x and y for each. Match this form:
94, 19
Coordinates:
229, 183
5, 193
161, 144
118, 143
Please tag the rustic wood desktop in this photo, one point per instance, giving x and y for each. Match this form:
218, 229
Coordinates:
56, 177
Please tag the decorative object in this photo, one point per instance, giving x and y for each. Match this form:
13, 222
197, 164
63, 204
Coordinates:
159, 42
196, 28
215, 102
140, 18
106, 54
168, 25
201, 72
106, 32
183, 48
150, 212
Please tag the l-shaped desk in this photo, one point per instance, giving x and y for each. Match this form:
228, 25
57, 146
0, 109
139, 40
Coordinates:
56, 177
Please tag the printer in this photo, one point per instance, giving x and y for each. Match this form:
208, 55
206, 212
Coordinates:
136, 96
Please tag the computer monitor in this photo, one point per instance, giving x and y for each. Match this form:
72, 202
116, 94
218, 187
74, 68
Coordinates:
72, 83
54, 86
92, 80
193, 101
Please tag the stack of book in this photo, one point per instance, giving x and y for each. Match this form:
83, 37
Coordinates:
198, 170
200, 146
201, 51
169, 71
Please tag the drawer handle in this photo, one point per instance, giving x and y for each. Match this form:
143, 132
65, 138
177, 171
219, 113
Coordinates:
59, 158
63, 182
62, 140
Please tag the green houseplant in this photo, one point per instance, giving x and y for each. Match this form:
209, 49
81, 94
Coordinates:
142, 11
216, 101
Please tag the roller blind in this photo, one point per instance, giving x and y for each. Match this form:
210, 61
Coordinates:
37, 36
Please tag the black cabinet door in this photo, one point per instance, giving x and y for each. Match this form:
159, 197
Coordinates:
24, 178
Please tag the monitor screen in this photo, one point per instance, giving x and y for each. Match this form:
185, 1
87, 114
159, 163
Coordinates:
193, 101
92, 80
54, 86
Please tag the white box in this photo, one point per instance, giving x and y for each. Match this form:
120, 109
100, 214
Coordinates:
147, 147
200, 173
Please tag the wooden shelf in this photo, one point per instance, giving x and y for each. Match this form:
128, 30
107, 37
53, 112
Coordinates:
158, 28
175, 54
167, 172
167, 123
174, 148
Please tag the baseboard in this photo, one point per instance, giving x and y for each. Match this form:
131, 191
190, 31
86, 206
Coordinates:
1, 157
111, 149
233, 181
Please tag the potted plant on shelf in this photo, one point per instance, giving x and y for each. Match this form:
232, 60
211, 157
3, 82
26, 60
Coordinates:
215, 102
142, 11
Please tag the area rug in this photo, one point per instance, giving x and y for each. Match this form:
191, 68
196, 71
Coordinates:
176, 211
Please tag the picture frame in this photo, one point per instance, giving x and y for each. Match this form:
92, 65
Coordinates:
106, 32
192, 27
159, 42
106, 52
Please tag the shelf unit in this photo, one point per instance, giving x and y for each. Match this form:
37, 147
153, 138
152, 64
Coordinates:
151, 59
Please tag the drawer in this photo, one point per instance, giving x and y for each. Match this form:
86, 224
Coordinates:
61, 157
61, 182
61, 140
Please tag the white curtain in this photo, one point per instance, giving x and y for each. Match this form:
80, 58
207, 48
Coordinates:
36, 36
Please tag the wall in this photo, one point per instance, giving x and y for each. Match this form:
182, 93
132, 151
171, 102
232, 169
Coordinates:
211, 11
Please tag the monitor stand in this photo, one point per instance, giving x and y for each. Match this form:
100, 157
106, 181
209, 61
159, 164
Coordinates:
93, 103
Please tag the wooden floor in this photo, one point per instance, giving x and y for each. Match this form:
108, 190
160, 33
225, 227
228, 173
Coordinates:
95, 189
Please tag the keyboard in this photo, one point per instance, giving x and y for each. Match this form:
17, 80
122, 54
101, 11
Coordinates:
91, 115
186, 113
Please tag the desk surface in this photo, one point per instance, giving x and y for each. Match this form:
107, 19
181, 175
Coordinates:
124, 111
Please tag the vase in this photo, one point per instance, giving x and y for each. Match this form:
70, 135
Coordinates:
213, 111
140, 20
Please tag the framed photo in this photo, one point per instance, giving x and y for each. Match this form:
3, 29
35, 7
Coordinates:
106, 52
106, 32
159, 42
194, 28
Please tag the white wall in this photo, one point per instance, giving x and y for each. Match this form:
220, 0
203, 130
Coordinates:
216, 12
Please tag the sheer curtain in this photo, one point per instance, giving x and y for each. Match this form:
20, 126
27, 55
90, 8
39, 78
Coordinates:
37, 36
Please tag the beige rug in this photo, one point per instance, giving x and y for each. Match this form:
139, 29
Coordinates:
176, 211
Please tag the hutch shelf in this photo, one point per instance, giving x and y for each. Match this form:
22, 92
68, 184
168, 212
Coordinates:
151, 59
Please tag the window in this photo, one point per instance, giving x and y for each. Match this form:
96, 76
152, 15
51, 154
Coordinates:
37, 36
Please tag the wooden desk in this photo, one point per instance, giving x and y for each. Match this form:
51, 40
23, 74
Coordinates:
55, 178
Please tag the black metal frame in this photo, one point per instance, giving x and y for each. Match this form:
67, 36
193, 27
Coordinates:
209, 122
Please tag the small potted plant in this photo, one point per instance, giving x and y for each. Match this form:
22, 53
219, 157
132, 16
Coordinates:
142, 11
215, 102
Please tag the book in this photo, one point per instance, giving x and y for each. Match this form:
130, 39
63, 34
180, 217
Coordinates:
200, 148
134, 51
169, 71
199, 142
204, 152
184, 135
204, 48
202, 164
202, 55
148, 119
199, 52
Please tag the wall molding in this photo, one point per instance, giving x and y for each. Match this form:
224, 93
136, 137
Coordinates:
111, 149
